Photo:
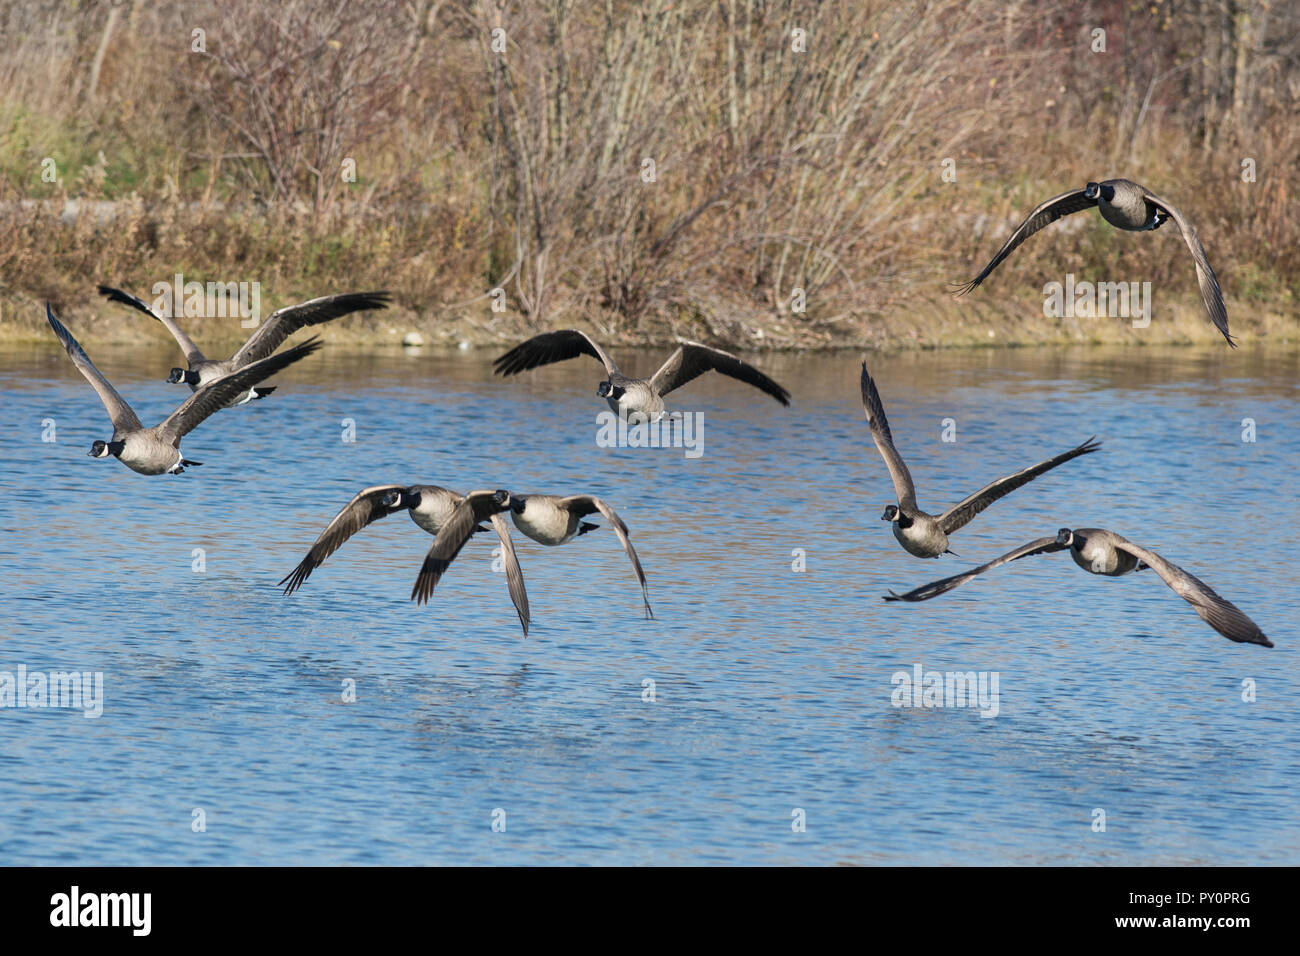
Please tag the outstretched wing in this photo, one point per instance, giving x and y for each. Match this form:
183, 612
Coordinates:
451, 537
192, 354
217, 394
552, 347
119, 412
587, 504
1220, 613
904, 489
366, 507
284, 322
1205, 278
935, 588
692, 360
966, 509
1046, 214
514, 575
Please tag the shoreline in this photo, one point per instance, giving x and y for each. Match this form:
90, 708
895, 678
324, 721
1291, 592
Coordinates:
1004, 322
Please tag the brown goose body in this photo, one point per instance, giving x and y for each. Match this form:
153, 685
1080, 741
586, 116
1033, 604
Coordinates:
157, 450
1106, 553
553, 520
201, 371
1128, 206
433, 509
639, 397
923, 534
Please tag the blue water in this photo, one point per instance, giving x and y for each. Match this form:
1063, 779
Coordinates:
773, 688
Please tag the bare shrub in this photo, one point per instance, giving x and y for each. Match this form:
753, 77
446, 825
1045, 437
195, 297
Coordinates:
301, 85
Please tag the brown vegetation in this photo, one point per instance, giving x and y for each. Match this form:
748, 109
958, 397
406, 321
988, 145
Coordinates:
650, 168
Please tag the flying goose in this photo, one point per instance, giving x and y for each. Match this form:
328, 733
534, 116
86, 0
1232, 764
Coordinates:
1125, 205
926, 535
459, 525
431, 507
636, 396
153, 451
547, 519
268, 337
552, 520
1103, 552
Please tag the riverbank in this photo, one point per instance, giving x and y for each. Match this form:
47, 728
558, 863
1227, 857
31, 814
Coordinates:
980, 320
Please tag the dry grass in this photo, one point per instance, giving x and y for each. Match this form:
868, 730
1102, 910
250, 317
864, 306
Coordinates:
519, 160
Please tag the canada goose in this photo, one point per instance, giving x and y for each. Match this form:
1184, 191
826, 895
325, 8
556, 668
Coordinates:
636, 396
278, 326
553, 520
926, 535
431, 507
1125, 205
153, 451
1103, 552
456, 529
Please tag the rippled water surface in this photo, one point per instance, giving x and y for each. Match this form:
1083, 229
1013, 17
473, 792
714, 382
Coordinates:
772, 687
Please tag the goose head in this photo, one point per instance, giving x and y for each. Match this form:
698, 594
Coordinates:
102, 449
610, 390
1102, 191
1065, 536
891, 513
402, 498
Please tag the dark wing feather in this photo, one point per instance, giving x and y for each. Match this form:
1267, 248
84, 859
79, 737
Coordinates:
552, 347
284, 322
451, 537
587, 504
966, 509
1211, 294
692, 360
192, 354
904, 488
514, 574
216, 395
935, 588
1220, 613
1044, 215
365, 508
120, 413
